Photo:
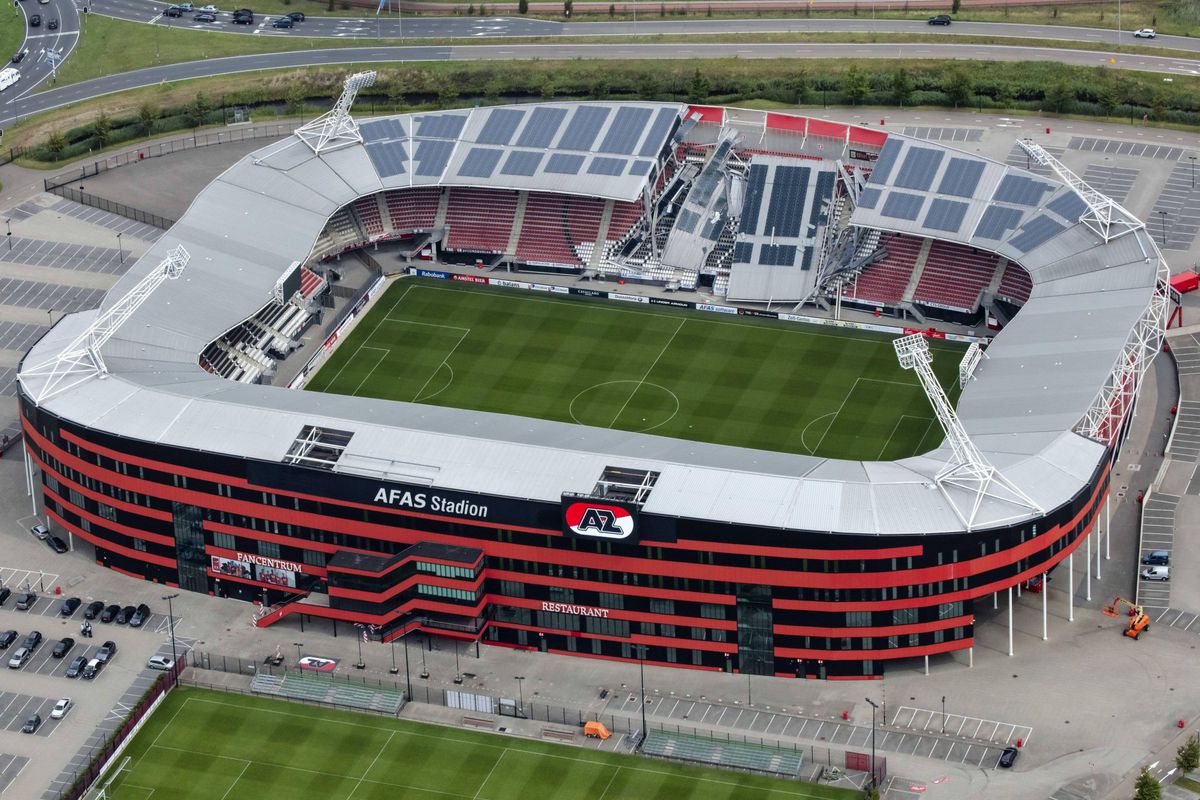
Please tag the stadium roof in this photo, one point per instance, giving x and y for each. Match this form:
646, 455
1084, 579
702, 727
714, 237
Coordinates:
252, 223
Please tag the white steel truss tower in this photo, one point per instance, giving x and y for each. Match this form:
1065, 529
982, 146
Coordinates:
967, 470
81, 359
1105, 217
336, 128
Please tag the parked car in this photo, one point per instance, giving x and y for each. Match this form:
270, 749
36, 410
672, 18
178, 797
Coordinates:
1156, 574
107, 652
204, 16
1160, 558
32, 724
283, 22
163, 663
296, 16
61, 708
76, 666
62, 647
940, 19
94, 609
55, 542
69, 606
185, 6
19, 657
25, 601
110, 613
173, 11
92, 669
1008, 757
32, 640
19, 56
124, 614
4, 593
40, 531
7, 638
243, 19
1144, 33
34, 22
140, 615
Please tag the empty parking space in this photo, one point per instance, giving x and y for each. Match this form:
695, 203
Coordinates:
977, 729
19, 335
10, 768
33, 580
63, 255
47, 296
1176, 215
15, 708
113, 222
1117, 147
945, 134
1114, 182
8, 383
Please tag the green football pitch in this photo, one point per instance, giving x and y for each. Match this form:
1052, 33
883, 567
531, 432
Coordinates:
214, 746
742, 381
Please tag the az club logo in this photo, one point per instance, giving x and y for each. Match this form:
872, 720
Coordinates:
606, 522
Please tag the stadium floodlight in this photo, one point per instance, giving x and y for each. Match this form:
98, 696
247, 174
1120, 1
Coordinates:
336, 128
968, 469
1105, 217
81, 360
970, 362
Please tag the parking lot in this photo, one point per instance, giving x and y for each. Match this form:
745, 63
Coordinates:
15, 708
10, 768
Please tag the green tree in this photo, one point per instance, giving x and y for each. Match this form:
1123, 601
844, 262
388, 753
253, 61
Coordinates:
295, 99
147, 113
522, 6
958, 87
1158, 105
492, 89
797, 86
329, 6
902, 87
447, 92
1187, 757
1107, 98
198, 109
1146, 787
395, 95
1060, 95
102, 127
955, 5
699, 88
612, 10
856, 84
55, 144
567, 6
548, 88
599, 88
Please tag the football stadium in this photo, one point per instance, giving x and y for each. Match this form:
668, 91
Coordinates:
629, 380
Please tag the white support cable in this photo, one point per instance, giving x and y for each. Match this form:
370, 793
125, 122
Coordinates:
968, 469
81, 359
336, 128
1105, 217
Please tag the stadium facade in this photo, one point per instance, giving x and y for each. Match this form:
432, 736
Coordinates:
177, 464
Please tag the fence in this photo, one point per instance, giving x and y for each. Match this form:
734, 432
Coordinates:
60, 184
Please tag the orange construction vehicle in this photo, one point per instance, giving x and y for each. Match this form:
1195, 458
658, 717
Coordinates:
1138, 620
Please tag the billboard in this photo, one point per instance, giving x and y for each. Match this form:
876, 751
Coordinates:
231, 567
585, 517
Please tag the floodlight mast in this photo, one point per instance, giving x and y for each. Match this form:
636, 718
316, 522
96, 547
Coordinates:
1105, 217
336, 128
967, 468
81, 359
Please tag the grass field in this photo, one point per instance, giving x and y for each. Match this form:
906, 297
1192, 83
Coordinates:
741, 381
215, 746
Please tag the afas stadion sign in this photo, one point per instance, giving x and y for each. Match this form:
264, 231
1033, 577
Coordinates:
586, 517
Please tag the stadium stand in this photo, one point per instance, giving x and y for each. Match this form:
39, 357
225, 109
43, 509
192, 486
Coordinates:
954, 276
480, 220
369, 218
311, 284
1015, 286
333, 691
555, 226
718, 752
884, 281
413, 209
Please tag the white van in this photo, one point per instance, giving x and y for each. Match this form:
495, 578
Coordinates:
1156, 574
92, 669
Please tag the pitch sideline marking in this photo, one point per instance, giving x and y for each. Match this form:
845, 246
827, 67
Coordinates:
446, 739
386, 352
895, 428
445, 361
646, 374
338, 374
610, 782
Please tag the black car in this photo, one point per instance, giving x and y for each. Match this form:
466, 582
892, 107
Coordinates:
283, 22
25, 601
140, 615
107, 652
204, 16
32, 724
62, 647
296, 16
124, 615
19, 56
32, 640
173, 11
35, 21
7, 638
940, 19
93, 610
69, 606
110, 613
243, 19
1008, 757
76, 666
53, 25
56, 544
4, 593
1155, 558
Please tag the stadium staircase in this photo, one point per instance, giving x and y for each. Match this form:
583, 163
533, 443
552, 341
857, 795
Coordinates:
719, 752
598, 249
918, 269
329, 690
514, 235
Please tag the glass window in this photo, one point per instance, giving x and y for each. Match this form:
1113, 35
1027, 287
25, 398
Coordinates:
268, 549
858, 619
139, 545
107, 512
226, 540
662, 606
314, 557
712, 611
904, 616
948, 610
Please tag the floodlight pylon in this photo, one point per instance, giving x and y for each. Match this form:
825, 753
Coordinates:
81, 359
336, 128
968, 469
1105, 217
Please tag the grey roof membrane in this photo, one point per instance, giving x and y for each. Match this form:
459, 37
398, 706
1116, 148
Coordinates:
250, 225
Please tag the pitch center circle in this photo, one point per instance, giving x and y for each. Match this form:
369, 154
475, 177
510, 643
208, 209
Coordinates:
637, 406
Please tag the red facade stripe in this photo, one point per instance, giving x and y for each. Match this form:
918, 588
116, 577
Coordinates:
104, 544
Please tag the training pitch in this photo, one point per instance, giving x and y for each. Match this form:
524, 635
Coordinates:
215, 746
742, 381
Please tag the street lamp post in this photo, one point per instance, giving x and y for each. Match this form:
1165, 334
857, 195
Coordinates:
1190, 158
298, 645
407, 671
1162, 216
458, 676
642, 678
8, 222
120, 247
943, 715
394, 670
171, 625
520, 679
874, 708
424, 669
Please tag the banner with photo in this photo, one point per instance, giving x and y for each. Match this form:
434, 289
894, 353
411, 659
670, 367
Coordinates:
275, 576
231, 567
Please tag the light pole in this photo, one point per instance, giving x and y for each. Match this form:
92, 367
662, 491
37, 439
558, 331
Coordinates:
8, 222
457, 672
874, 708
1190, 158
642, 678
520, 679
394, 670
1162, 215
120, 247
749, 690
298, 645
407, 671
171, 624
361, 664
943, 715
424, 669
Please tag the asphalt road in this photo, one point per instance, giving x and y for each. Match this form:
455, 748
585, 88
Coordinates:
40, 41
